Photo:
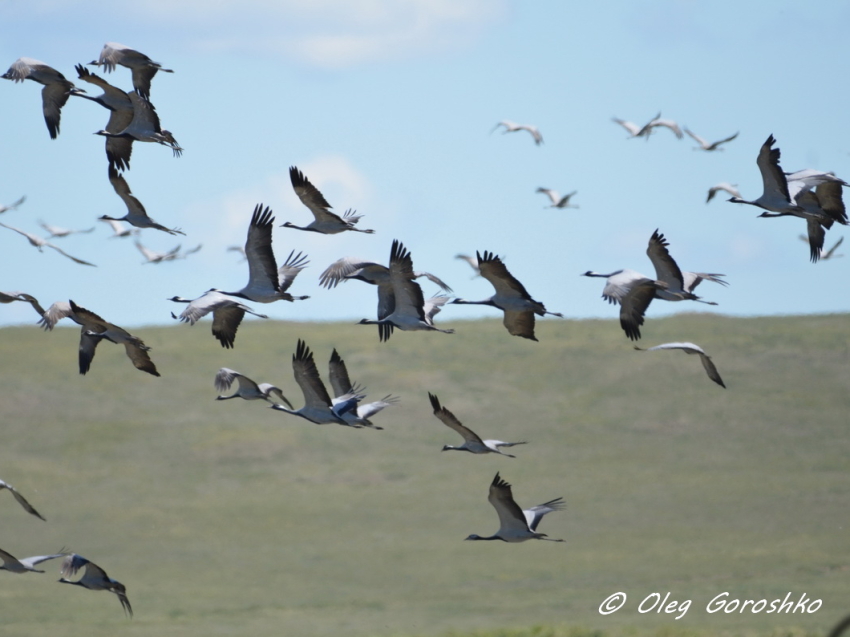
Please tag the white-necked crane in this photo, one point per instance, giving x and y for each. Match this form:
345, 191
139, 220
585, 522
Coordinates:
21, 500
709, 146
136, 214
557, 200
121, 111
248, 389
633, 129
26, 564
227, 314
691, 348
56, 89
401, 304
318, 407
634, 292
511, 297
343, 387
93, 330
775, 196
266, 282
144, 127
472, 442
325, 221
57, 233
13, 206
41, 242
516, 524
152, 256
94, 578
141, 65
512, 127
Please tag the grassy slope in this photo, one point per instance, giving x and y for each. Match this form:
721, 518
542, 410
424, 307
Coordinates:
226, 518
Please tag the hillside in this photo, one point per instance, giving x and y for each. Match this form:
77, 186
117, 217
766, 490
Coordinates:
228, 518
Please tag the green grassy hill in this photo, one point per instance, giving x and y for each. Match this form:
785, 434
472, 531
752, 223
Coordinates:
228, 518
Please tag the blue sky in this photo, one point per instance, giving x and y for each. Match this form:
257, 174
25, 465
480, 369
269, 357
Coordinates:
388, 106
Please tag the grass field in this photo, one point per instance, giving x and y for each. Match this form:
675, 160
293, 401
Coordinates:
228, 518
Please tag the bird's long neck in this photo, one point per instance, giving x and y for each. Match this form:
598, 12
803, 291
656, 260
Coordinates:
739, 200
467, 302
601, 276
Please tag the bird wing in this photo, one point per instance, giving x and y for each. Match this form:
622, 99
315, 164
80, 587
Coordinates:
520, 323
144, 115
122, 189
308, 379
723, 141
289, 270
119, 149
553, 196
773, 179
511, 517
832, 250
493, 269
449, 420
247, 384
634, 129
536, 513
71, 564
699, 140
137, 352
338, 375
150, 255
12, 206
311, 197
54, 314
532, 130
693, 279
65, 254
21, 500
407, 292
53, 98
634, 305
8, 558
38, 559
224, 379
433, 279
34, 240
341, 268
142, 76
226, 320
817, 235
89, 319
666, 268
829, 196
262, 267
88, 347
370, 409
563, 201
711, 369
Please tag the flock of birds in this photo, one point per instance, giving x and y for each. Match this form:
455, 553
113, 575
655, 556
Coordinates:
401, 304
